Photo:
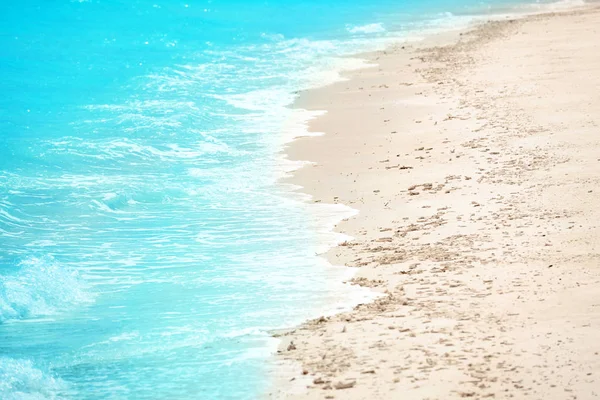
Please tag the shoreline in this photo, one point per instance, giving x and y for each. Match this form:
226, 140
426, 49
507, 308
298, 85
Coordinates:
404, 241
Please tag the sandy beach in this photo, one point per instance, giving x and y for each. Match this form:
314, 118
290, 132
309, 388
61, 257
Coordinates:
475, 166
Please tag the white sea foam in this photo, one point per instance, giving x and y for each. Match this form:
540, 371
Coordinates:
365, 29
41, 243
269, 113
125, 336
552, 6
20, 380
40, 287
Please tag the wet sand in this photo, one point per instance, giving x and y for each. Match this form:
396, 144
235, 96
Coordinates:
476, 170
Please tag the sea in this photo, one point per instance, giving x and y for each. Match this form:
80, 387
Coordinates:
147, 246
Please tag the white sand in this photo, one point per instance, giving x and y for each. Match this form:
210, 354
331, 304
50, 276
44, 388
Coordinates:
476, 170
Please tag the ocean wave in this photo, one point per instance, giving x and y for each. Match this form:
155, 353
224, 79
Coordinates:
21, 380
127, 148
366, 29
143, 106
553, 5
10, 219
258, 100
39, 287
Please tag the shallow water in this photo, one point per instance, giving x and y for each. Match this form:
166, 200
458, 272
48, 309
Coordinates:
146, 247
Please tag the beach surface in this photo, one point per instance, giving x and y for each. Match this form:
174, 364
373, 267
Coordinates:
475, 166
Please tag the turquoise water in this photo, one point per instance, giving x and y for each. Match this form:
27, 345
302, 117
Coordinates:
146, 248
